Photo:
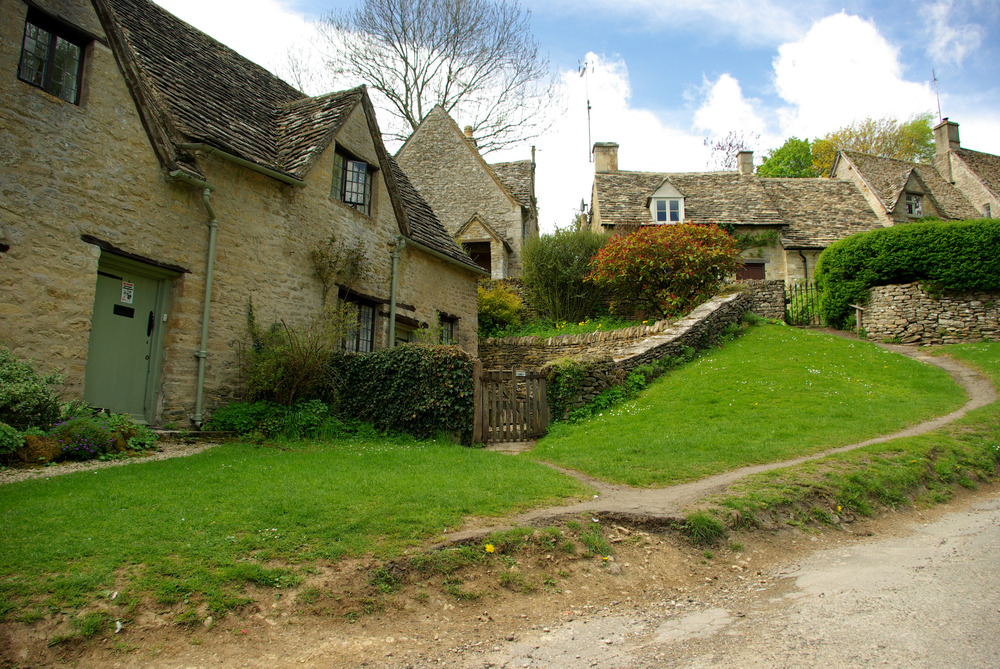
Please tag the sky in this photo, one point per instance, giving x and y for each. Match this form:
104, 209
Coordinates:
664, 75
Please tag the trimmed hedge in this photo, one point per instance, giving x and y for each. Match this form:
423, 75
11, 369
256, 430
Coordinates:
417, 389
959, 256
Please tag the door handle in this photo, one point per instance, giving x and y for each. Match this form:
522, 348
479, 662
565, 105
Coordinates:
149, 324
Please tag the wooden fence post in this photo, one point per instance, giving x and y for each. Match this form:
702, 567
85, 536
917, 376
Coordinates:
477, 402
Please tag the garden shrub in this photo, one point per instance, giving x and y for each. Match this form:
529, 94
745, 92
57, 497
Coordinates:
564, 378
286, 363
26, 397
555, 266
500, 309
417, 389
10, 441
83, 438
956, 256
666, 269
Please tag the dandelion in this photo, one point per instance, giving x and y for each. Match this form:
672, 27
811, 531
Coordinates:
489, 548
839, 508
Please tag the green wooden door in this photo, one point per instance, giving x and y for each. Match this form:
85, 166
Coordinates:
125, 339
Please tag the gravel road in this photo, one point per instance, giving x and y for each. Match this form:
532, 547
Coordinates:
929, 597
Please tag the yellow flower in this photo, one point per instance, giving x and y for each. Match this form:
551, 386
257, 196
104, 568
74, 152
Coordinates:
838, 508
489, 548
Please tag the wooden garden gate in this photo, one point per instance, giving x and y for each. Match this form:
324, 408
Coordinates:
510, 405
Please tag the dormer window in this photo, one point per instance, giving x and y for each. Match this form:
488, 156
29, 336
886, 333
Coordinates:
914, 205
667, 210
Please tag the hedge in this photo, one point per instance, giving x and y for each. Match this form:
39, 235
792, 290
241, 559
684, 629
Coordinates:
959, 256
417, 389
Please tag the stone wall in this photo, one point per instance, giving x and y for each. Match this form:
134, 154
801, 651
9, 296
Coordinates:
70, 174
765, 298
907, 313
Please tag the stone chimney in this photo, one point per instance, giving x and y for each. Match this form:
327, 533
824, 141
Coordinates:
468, 136
744, 162
945, 140
605, 157
946, 136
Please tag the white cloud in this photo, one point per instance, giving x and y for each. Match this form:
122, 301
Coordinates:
843, 70
949, 42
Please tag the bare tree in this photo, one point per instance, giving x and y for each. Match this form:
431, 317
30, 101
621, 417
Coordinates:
476, 58
725, 149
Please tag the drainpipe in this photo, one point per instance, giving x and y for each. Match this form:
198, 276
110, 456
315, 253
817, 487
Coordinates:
213, 226
202, 353
393, 287
805, 267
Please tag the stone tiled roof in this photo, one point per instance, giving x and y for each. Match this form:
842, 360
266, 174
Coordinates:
516, 177
201, 91
986, 166
709, 197
208, 93
425, 228
819, 212
887, 178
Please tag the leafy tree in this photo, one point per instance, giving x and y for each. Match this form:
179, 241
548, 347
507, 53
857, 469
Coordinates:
912, 140
726, 149
792, 159
665, 268
555, 267
476, 58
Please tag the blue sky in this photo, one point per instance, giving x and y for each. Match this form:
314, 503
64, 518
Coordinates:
666, 74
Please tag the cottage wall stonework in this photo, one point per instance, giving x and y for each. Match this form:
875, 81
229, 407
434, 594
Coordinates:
68, 171
908, 314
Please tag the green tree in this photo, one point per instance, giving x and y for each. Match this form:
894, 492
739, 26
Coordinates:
555, 267
667, 269
791, 159
912, 140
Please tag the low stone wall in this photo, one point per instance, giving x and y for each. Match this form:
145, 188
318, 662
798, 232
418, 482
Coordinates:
767, 298
907, 313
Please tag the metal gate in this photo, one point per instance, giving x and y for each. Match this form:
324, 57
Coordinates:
510, 405
802, 304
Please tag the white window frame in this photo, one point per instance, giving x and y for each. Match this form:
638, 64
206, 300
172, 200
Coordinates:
914, 205
671, 209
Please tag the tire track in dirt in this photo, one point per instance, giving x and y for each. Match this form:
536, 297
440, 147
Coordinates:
666, 504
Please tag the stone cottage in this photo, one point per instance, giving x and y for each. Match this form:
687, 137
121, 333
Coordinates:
792, 220
489, 208
153, 183
961, 184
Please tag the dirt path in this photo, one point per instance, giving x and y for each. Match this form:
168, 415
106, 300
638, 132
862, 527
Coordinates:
669, 503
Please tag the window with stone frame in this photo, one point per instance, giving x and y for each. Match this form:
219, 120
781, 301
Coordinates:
352, 181
448, 329
52, 56
914, 205
362, 338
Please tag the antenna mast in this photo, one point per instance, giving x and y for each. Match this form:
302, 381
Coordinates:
585, 73
937, 94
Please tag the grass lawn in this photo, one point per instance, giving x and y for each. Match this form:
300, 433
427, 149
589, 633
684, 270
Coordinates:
775, 393
199, 528
926, 467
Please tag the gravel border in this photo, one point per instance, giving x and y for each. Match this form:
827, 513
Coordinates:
164, 451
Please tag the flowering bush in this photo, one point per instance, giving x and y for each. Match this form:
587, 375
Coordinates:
664, 268
499, 309
83, 438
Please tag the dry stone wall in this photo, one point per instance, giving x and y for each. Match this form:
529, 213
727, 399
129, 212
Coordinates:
908, 314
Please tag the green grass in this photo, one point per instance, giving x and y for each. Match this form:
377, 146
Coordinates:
775, 393
926, 468
549, 329
197, 529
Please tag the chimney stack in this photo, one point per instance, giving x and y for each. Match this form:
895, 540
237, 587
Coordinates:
946, 136
468, 136
744, 162
605, 157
